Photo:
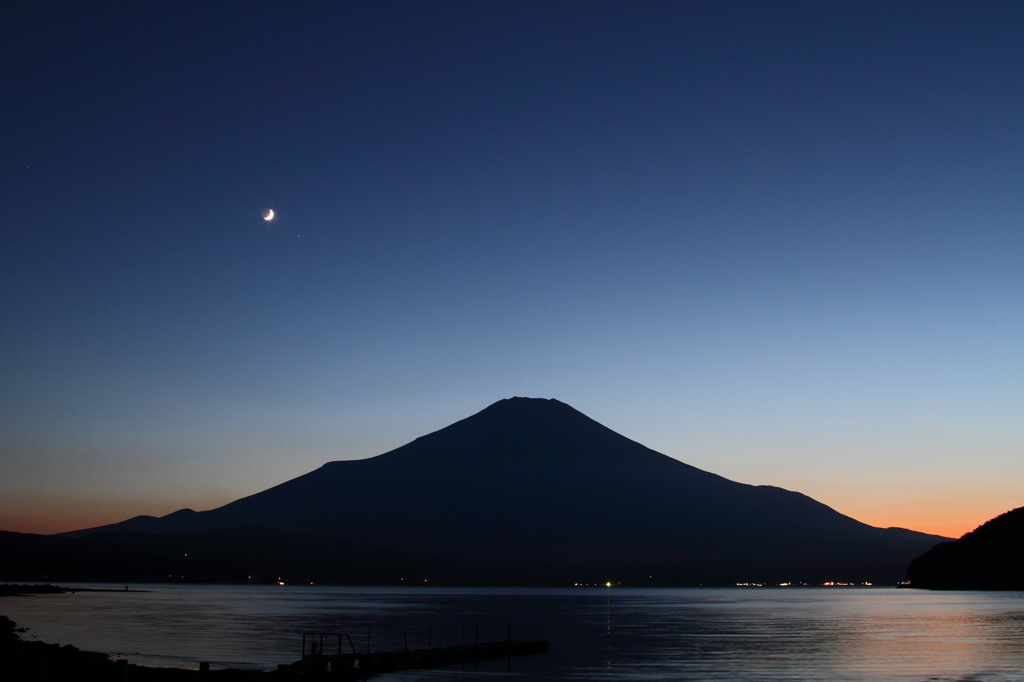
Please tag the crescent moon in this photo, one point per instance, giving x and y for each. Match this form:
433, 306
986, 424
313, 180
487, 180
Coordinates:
268, 215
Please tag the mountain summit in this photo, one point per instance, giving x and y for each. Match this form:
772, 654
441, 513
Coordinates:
535, 483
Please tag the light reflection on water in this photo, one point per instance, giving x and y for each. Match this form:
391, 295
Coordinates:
771, 634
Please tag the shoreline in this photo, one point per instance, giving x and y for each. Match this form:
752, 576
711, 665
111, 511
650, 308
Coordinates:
25, 661
26, 590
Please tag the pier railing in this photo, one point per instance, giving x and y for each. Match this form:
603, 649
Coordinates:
320, 644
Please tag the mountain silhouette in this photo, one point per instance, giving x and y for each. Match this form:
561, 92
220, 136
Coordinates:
990, 557
535, 482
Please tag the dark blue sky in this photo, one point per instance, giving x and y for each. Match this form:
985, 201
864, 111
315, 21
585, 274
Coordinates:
780, 241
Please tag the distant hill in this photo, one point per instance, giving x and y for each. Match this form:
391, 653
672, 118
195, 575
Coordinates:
536, 483
991, 557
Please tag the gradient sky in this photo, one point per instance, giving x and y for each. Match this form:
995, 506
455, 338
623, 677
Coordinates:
782, 242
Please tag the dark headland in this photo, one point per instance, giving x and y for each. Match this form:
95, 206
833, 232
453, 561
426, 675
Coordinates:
991, 557
527, 491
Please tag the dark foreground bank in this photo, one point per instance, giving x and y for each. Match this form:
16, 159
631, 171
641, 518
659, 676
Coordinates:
22, 661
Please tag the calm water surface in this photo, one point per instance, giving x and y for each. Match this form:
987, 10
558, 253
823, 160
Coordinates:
770, 634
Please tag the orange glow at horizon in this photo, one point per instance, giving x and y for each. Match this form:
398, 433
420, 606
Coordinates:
950, 518
50, 516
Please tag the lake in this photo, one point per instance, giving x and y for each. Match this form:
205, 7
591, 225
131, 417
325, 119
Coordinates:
794, 633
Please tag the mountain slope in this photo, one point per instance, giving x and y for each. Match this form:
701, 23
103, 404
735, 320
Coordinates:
991, 557
241, 555
536, 480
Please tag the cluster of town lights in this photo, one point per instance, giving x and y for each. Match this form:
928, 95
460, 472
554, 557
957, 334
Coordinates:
830, 583
825, 584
